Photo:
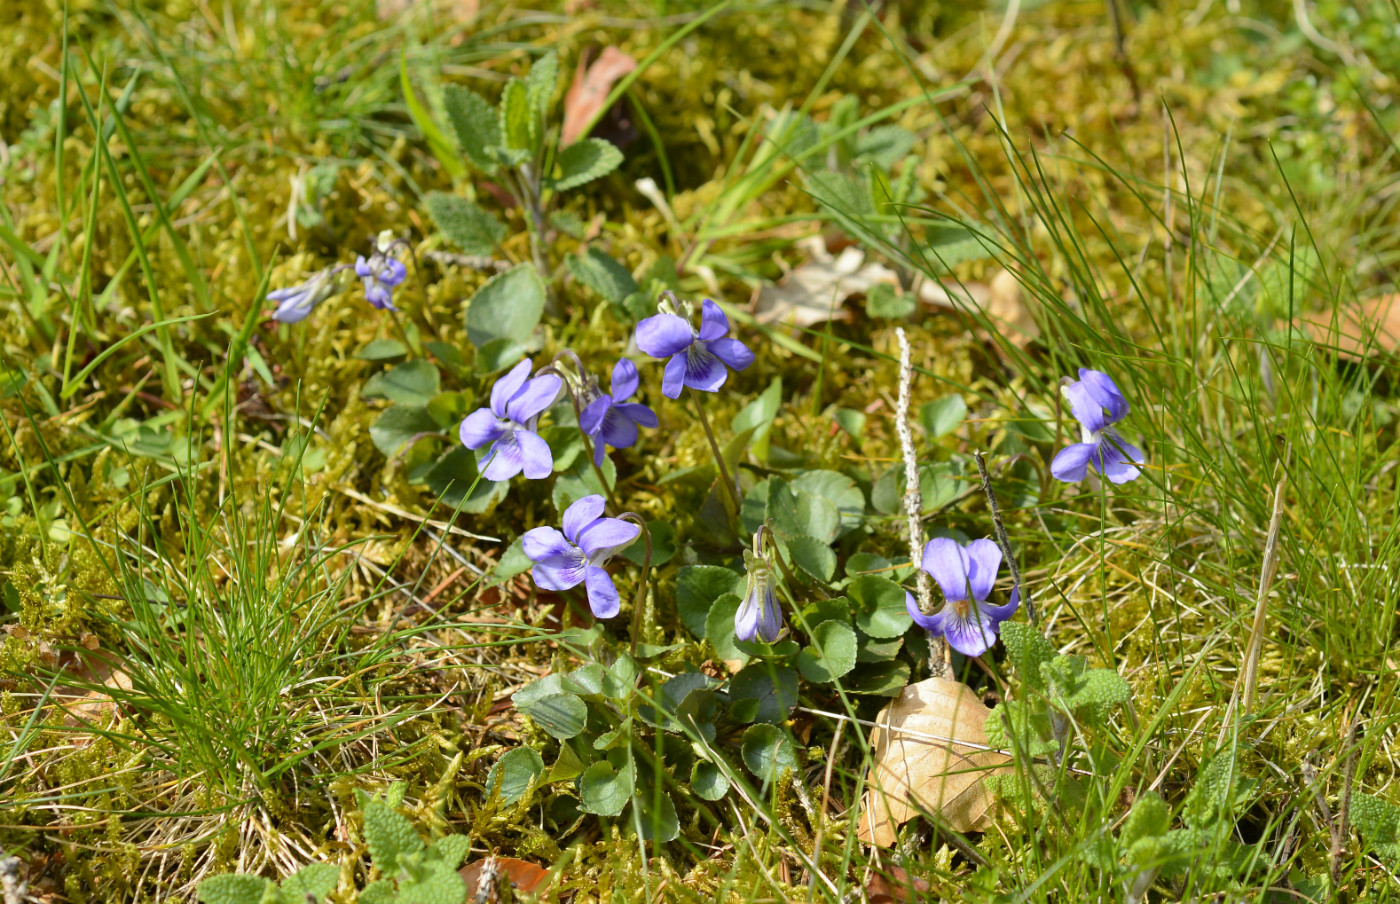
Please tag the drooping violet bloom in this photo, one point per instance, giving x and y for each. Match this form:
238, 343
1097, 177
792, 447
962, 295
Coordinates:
699, 359
758, 615
611, 419
965, 574
509, 425
380, 272
1097, 404
577, 556
296, 302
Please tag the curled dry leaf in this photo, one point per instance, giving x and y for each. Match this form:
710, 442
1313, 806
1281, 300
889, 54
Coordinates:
817, 289
1000, 300
894, 885
589, 89
929, 757
1371, 327
483, 877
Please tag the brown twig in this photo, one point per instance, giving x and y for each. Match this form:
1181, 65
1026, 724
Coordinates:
999, 530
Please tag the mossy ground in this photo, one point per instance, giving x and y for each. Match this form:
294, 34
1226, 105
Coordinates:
1134, 184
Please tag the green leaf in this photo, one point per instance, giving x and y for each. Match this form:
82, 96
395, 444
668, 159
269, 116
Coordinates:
620, 683
398, 425
315, 880
477, 126
514, 772
1028, 650
1216, 795
880, 606
719, 628
697, 588
465, 223
433, 883
768, 752
580, 481
540, 82
839, 489
884, 145
382, 350
1093, 691
234, 889
389, 835
604, 790
518, 123
774, 688
832, 653
758, 416
507, 306
599, 272
813, 556
663, 545
880, 679
452, 849
852, 421
951, 244
455, 480
437, 142
498, 354
380, 891
888, 303
708, 781
583, 161
654, 815
1377, 820
562, 715
942, 416
410, 383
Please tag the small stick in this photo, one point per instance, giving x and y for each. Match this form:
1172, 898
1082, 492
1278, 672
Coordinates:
940, 655
999, 529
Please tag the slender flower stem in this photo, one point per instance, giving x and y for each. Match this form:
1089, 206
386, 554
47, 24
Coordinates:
999, 529
736, 504
642, 583
398, 324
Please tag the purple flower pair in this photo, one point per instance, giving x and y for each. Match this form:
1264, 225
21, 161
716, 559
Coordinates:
577, 556
509, 425
965, 574
610, 418
1097, 405
700, 358
380, 273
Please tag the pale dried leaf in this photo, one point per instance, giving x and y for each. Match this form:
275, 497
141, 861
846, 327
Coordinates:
929, 758
817, 289
1000, 300
589, 89
1371, 327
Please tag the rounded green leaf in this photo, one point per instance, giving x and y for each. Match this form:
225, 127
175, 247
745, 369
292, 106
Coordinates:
831, 655
942, 416
410, 383
697, 588
719, 627
813, 556
603, 790
507, 306
768, 752
514, 772
708, 781
562, 715
773, 690
879, 604
654, 815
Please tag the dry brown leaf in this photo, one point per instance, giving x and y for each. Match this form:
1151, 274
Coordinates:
817, 289
895, 886
928, 757
523, 875
589, 89
999, 299
1371, 327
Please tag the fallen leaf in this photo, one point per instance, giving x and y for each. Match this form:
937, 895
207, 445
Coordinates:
929, 757
523, 875
1371, 327
1000, 300
589, 89
895, 886
817, 289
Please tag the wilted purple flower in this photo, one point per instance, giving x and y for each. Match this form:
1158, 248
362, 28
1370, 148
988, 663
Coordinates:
758, 615
296, 302
381, 273
509, 425
698, 359
966, 575
577, 556
612, 420
1097, 404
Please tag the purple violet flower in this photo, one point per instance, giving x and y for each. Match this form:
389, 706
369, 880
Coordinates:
1097, 404
758, 615
517, 401
296, 302
966, 575
577, 556
698, 358
612, 420
381, 273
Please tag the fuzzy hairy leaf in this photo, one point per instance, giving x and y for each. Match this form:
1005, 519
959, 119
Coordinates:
234, 889
1216, 795
380, 891
389, 835
540, 83
315, 880
1378, 821
465, 223
476, 124
435, 883
452, 849
584, 161
602, 274
1028, 650
1090, 692
517, 121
